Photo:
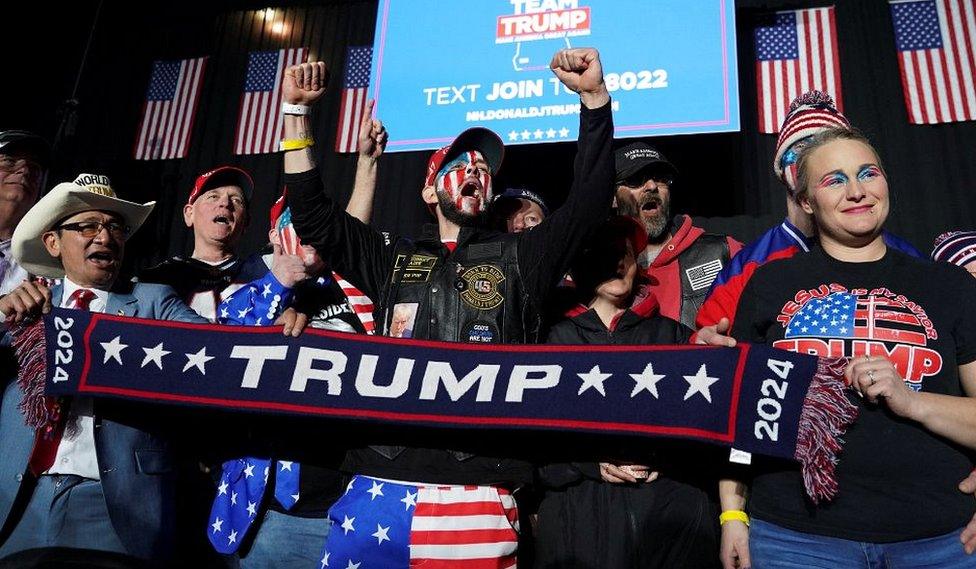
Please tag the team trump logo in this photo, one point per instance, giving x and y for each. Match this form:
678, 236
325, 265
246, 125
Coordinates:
543, 19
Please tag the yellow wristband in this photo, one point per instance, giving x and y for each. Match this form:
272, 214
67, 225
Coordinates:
733, 515
295, 143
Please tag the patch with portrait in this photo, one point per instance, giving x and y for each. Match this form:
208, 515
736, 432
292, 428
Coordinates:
404, 316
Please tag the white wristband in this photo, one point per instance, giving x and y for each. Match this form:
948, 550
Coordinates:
289, 109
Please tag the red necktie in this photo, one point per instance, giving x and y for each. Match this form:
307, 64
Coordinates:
48, 438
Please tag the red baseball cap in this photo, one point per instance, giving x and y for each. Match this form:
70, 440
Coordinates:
222, 176
477, 138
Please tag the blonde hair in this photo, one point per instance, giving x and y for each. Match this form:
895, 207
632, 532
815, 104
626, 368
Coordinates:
822, 139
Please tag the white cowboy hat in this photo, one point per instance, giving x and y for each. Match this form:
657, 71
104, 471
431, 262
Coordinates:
86, 193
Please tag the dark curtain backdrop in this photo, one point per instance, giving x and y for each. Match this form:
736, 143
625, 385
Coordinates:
726, 180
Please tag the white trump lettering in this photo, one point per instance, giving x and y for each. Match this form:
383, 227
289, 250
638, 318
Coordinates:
304, 370
441, 372
519, 381
256, 356
366, 385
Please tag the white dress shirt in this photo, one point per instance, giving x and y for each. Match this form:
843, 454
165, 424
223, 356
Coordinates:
76, 452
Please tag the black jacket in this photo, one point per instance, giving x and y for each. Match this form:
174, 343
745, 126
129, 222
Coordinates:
490, 288
584, 522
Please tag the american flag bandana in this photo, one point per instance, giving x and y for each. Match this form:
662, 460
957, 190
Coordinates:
361, 304
382, 523
240, 494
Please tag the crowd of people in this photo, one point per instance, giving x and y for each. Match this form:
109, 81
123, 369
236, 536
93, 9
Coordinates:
115, 484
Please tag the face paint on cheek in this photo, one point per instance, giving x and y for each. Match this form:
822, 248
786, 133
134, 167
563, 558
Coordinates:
452, 178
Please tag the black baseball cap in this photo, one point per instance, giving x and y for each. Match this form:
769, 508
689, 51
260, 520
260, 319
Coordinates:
24, 141
635, 157
522, 193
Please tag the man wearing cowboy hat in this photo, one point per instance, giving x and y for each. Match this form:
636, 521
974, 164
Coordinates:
101, 479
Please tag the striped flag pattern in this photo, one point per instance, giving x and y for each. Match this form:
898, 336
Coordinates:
383, 523
795, 53
935, 39
355, 82
361, 304
169, 110
259, 122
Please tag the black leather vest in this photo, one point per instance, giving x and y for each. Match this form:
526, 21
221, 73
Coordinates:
699, 265
474, 294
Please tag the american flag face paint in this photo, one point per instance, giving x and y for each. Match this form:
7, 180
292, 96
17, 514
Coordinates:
466, 181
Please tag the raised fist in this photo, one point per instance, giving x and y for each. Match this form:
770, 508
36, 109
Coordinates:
303, 84
579, 69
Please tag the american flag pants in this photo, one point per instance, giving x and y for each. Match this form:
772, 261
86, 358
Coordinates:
392, 524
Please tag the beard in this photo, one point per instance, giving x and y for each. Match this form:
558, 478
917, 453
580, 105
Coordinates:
453, 214
654, 213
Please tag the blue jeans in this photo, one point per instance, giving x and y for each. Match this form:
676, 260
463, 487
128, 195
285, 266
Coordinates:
64, 511
774, 547
286, 541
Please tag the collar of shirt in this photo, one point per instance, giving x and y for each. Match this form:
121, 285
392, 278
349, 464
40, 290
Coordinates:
97, 304
5, 248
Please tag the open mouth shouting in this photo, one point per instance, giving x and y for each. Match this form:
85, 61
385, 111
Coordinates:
103, 259
470, 197
650, 205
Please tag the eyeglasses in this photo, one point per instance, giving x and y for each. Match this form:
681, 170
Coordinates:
641, 178
90, 229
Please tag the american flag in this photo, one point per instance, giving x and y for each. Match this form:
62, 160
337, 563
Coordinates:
361, 304
171, 104
795, 54
259, 123
937, 59
354, 84
386, 524
240, 497
869, 317
702, 276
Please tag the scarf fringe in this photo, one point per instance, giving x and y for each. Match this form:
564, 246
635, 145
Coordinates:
31, 350
826, 415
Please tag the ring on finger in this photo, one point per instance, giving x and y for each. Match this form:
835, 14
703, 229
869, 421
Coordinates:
871, 376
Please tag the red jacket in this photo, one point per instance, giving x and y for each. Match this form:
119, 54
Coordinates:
665, 273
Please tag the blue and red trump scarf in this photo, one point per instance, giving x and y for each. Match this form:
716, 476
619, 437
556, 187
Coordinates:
752, 398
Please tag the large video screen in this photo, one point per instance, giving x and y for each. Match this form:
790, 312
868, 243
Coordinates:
441, 66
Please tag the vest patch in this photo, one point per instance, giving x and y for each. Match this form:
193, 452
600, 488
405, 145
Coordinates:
416, 269
701, 276
480, 332
480, 287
